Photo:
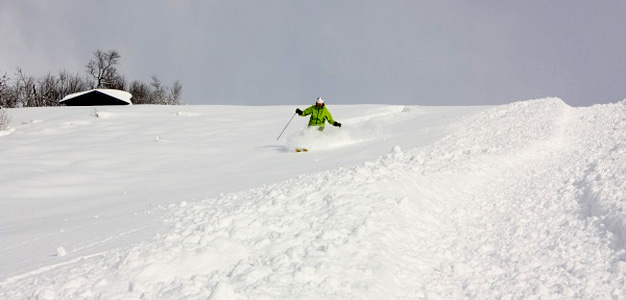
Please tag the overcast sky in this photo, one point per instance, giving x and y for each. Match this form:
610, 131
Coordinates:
290, 52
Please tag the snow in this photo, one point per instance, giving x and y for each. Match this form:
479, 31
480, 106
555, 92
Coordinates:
518, 201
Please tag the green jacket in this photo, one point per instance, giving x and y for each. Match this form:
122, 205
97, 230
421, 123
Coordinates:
318, 116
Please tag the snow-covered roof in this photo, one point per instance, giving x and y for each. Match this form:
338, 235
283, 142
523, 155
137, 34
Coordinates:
118, 94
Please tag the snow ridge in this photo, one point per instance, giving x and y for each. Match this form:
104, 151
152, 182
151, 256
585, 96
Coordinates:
520, 201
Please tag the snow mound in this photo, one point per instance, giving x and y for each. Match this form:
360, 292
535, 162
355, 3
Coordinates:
519, 201
187, 114
7, 131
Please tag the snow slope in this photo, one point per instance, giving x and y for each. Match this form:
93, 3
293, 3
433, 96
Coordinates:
525, 200
92, 179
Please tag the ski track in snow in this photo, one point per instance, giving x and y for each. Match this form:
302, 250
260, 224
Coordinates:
521, 201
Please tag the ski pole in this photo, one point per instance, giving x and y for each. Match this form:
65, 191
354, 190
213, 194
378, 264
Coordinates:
285, 127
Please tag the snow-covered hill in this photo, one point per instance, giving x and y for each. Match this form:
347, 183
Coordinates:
526, 200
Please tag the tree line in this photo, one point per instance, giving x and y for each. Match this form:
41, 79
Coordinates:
24, 90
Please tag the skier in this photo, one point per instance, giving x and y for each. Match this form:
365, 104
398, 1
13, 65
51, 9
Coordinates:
319, 114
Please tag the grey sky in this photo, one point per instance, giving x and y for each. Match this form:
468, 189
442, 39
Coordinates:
290, 52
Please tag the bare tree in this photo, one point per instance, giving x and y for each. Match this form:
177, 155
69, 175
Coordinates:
5, 119
158, 95
4, 100
46, 91
156, 92
175, 93
24, 89
118, 82
4, 91
140, 91
102, 69
69, 84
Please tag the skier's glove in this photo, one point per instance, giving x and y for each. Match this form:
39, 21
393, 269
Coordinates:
337, 124
298, 111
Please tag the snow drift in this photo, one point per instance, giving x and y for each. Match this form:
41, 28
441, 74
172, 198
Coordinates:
525, 200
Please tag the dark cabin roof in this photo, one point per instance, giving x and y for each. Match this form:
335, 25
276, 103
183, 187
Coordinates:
98, 97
